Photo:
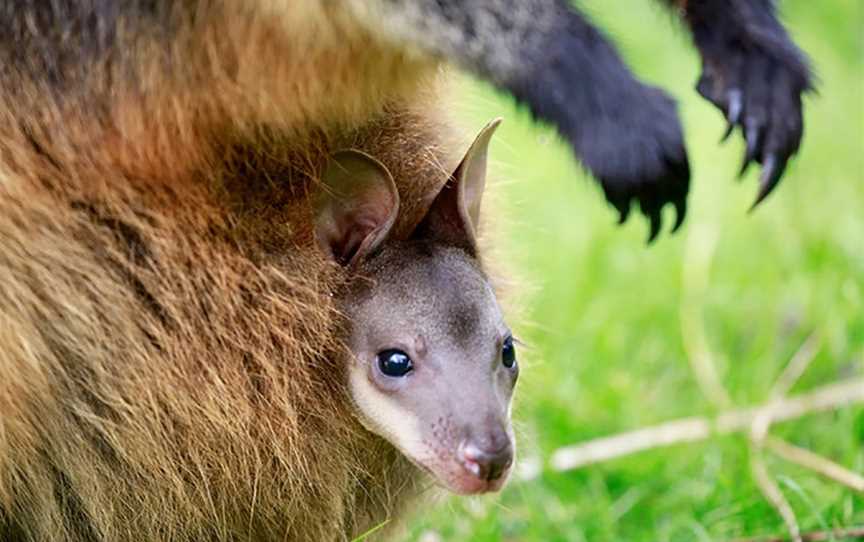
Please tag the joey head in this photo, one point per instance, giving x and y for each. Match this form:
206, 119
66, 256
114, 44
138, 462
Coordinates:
433, 363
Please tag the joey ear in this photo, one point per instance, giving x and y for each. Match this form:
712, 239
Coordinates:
356, 207
454, 215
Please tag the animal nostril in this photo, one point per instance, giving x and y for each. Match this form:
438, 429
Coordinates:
485, 464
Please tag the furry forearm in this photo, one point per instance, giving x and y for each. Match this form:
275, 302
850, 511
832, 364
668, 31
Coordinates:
556, 63
753, 24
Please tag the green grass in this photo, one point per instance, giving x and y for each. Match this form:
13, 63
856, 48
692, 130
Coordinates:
602, 310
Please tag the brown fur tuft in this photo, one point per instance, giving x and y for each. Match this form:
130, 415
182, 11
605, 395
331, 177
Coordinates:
169, 344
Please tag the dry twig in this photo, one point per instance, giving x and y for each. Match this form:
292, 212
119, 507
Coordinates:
796, 366
828, 397
816, 463
759, 431
772, 493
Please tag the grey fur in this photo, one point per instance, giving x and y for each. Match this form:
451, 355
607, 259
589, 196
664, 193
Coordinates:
492, 37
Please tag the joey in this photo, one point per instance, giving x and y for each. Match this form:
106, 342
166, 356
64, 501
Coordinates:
433, 362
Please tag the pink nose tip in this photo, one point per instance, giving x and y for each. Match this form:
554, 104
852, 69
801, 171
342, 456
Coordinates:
485, 464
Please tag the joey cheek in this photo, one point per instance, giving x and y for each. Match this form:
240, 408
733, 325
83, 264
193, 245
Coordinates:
507, 378
512, 373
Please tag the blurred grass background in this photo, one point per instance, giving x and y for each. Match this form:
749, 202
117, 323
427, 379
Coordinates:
603, 311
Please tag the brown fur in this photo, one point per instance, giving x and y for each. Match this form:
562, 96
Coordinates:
169, 344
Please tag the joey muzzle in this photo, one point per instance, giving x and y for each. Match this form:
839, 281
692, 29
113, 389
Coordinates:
488, 459
485, 448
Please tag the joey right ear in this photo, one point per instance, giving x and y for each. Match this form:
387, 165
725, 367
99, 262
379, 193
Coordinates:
454, 214
356, 207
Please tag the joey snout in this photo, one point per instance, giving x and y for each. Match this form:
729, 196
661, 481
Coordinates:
469, 458
489, 457
486, 459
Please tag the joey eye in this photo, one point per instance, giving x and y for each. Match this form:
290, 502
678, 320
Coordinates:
508, 353
394, 362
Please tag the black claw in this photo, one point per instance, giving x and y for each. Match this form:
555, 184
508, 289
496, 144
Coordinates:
656, 223
622, 205
736, 104
704, 86
771, 172
727, 133
624, 213
745, 165
752, 137
680, 213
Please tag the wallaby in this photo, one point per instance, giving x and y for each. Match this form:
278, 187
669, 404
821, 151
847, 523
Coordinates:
318, 390
148, 68
171, 339
434, 364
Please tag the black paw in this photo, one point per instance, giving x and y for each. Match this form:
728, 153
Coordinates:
637, 153
760, 94
626, 133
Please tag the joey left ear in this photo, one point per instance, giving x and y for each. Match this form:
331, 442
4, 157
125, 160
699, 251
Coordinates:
454, 215
356, 207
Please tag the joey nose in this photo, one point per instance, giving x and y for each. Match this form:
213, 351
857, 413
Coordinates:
484, 463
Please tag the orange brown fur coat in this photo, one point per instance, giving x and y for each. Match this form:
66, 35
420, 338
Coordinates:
169, 344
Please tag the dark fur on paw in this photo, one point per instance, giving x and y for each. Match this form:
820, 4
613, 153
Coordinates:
627, 134
638, 155
756, 76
